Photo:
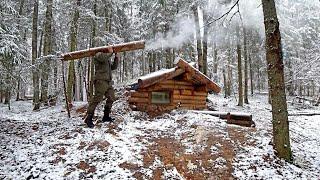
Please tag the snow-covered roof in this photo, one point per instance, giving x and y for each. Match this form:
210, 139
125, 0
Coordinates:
182, 67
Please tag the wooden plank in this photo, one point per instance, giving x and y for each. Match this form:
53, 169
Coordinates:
138, 100
187, 101
186, 97
200, 93
182, 87
176, 82
164, 87
192, 107
189, 92
176, 92
186, 92
139, 94
201, 88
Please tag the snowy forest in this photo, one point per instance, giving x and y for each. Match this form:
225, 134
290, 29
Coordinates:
237, 61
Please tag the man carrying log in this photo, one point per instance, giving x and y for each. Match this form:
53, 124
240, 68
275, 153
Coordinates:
102, 86
103, 78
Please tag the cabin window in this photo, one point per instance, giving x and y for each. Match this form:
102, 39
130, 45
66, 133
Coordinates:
160, 97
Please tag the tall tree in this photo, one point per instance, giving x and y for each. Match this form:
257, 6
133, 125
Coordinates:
35, 73
73, 46
240, 87
198, 36
251, 74
229, 68
205, 43
215, 58
93, 36
47, 49
281, 138
23, 33
245, 55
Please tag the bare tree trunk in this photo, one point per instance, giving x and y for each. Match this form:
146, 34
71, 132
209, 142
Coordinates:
215, 60
313, 88
9, 82
21, 6
143, 63
39, 53
229, 80
168, 56
124, 67
291, 80
55, 78
245, 55
107, 10
258, 78
7, 96
192, 52
240, 88
281, 138
47, 49
55, 66
318, 101
168, 51
251, 75
199, 48
110, 18
121, 74
300, 89
94, 34
35, 74
18, 89
132, 55
154, 58
158, 60
149, 61
225, 83
205, 44
1, 93
73, 45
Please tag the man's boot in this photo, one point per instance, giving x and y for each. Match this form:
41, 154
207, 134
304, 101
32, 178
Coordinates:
88, 120
107, 118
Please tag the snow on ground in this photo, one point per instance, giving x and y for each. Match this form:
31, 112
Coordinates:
177, 145
258, 161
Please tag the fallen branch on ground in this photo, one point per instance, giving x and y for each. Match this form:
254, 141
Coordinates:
304, 114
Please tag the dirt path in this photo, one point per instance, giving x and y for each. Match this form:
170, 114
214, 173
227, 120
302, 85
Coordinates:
211, 158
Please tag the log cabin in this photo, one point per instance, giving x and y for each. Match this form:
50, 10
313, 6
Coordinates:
181, 87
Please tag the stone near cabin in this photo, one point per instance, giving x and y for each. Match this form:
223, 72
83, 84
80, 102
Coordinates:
181, 87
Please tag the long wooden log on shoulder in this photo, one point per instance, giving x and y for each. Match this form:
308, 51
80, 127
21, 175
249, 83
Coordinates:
130, 46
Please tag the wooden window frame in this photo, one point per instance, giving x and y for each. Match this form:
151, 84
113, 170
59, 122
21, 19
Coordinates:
170, 97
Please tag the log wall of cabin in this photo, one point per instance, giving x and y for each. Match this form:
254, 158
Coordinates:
184, 95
